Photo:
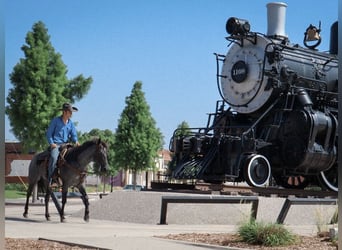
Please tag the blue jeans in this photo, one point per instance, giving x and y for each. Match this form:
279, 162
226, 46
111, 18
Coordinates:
52, 162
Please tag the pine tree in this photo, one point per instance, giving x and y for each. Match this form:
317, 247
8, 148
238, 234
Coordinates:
183, 130
137, 139
40, 87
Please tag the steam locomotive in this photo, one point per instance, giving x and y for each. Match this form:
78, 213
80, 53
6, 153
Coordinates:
277, 121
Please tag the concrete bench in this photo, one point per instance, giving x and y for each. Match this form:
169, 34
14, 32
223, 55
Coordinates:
302, 201
208, 199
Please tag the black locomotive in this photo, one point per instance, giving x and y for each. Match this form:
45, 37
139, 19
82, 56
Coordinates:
278, 117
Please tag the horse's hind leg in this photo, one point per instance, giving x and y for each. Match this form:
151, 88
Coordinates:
84, 198
28, 194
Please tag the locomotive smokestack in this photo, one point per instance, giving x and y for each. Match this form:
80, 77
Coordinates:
276, 19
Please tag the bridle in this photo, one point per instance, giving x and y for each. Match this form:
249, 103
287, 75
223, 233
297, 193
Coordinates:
81, 173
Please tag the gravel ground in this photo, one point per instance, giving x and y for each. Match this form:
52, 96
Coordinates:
231, 240
30, 244
144, 207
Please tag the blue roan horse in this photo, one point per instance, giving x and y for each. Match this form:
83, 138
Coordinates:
72, 172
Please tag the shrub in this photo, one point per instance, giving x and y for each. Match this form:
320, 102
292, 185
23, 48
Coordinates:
257, 233
15, 186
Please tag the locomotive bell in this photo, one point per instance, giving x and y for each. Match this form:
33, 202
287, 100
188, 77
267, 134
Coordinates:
312, 33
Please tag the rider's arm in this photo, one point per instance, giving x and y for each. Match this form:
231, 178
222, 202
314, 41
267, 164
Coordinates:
50, 132
73, 133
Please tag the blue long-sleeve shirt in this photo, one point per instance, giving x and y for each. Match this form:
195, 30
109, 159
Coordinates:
60, 133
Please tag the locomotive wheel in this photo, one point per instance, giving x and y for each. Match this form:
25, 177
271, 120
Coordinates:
295, 182
257, 171
329, 178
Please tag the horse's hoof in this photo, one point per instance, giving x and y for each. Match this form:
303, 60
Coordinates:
48, 218
63, 219
25, 215
86, 218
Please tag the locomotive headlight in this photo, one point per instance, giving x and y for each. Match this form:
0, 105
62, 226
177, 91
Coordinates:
236, 26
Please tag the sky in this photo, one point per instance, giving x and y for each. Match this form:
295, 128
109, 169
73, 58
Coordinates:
168, 45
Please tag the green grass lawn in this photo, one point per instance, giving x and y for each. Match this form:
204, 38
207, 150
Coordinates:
14, 191
14, 194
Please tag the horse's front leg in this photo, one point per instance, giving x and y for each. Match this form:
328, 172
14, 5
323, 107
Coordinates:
47, 199
64, 201
84, 198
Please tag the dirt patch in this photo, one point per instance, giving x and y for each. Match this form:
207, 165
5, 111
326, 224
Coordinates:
222, 239
233, 240
30, 244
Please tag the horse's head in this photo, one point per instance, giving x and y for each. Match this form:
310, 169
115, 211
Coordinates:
100, 156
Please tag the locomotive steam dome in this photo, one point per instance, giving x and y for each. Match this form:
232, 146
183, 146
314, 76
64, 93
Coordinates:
243, 84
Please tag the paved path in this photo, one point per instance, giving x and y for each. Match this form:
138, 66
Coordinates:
103, 234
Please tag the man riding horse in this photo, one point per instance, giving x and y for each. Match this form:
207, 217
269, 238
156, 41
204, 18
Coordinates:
60, 131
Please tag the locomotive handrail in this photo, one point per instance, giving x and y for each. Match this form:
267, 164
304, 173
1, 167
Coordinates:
208, 199
261, 117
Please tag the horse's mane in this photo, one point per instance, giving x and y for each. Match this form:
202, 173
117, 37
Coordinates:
75, 151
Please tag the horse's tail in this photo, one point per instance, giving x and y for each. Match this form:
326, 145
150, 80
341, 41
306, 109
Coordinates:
38, 170
33, 169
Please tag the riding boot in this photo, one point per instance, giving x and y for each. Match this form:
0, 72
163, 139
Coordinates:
53, 182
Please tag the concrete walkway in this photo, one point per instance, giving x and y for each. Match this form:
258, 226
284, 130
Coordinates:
102, 234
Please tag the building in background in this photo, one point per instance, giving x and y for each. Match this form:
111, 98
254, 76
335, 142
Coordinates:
158, 172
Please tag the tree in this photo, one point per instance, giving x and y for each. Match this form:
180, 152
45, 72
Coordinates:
182, 129
181, 132
137, 140
40, 86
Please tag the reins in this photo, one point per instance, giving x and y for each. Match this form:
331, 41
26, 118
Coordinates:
63, 162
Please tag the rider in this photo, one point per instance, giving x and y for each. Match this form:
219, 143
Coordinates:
61, 130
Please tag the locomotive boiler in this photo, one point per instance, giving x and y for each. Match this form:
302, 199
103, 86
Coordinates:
278, 118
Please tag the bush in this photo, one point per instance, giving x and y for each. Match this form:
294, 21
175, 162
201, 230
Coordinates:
266, 234
15, 186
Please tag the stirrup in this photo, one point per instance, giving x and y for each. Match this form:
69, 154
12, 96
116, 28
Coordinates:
55, 181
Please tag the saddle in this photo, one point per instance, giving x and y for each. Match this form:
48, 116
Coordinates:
44, 157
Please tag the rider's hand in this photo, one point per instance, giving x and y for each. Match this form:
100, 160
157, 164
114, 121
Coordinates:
53, 145
77, 143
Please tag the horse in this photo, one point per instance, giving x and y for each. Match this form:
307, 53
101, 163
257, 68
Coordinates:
72, 172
